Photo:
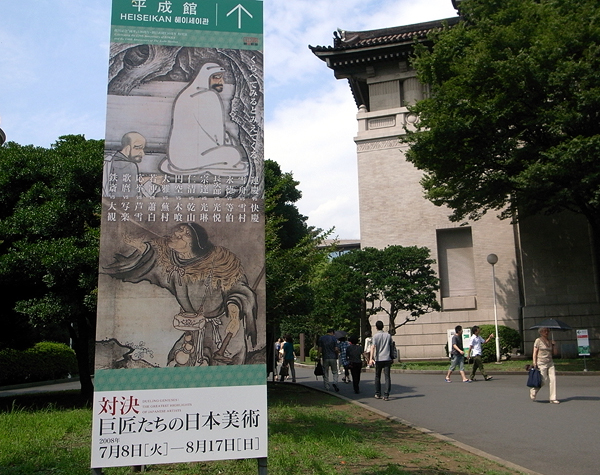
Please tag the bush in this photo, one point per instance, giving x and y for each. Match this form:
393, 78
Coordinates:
313, 353
509, 339
46, 361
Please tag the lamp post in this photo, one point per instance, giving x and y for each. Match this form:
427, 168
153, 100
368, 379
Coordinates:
493, 259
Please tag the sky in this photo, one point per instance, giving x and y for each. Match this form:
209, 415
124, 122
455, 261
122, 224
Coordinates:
54, 66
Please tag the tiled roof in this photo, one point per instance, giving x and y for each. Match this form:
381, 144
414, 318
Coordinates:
352, 40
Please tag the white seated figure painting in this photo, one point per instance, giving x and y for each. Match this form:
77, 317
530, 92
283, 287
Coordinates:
199, 141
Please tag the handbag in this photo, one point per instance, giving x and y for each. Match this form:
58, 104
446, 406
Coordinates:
319, 369
394, 351
534, 379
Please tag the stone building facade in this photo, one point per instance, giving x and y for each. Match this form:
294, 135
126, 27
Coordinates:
545, 266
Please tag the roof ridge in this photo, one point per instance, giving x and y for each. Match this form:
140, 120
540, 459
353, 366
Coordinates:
346, 39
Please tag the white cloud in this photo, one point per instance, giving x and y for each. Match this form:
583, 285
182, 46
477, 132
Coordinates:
48, 125
312, 138
54, 69
16, 70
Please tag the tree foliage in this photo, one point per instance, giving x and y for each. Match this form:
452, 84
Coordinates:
293, 253
340, 295
49, 229
513, 120
397, 280
509, 340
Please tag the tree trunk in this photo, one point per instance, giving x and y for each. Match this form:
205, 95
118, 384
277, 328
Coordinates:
392, 315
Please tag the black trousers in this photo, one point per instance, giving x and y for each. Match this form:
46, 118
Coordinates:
355, 370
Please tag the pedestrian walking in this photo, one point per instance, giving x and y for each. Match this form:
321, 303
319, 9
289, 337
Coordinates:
354, 352
457, 355
543, 349
289, 356
329, 351
343, 361
475, 352
381, 357
368, 345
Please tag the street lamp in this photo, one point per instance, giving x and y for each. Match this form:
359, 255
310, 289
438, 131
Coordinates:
493, 259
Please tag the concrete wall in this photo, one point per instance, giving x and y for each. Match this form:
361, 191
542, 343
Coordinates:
394, 211
558, 277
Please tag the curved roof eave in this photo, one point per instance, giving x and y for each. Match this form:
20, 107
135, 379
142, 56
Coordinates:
371, 39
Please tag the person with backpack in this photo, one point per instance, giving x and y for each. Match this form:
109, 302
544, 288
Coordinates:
457, 355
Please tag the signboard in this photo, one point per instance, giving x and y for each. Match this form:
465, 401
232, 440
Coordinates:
583, 343
180, 371
466, 337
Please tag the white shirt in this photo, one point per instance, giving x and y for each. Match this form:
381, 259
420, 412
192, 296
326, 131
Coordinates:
475, 344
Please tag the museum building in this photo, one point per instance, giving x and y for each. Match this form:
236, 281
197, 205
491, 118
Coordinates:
545, 266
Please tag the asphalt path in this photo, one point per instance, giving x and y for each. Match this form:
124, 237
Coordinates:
41, 388
496, 417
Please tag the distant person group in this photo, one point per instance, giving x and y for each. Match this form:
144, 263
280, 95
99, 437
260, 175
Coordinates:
475, 351
344, 356
286, 356
543, 350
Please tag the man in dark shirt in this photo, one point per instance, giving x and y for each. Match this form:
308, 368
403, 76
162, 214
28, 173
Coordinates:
329, 351
457, 354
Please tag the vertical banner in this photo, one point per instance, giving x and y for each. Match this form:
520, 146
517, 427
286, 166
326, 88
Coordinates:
180, 371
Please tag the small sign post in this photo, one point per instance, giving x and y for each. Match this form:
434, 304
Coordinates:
583, 346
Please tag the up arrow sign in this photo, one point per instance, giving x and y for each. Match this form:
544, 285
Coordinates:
239, 9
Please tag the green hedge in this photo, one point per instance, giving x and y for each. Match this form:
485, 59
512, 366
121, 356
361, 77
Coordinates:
509, 340
46, 361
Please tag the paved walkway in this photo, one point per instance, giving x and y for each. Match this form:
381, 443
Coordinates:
42, 388
496, 417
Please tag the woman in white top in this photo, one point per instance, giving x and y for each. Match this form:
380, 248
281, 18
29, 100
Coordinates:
368, 345
543, 348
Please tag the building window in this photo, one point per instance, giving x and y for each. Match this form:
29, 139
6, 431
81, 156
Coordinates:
456, 263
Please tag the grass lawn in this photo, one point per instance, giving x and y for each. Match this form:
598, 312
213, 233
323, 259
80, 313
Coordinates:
310, 432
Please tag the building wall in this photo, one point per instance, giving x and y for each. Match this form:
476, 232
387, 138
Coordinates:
393, 211
558, 278
548, 257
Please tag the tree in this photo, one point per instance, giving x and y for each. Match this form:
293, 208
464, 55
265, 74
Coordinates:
509, 340
293, 251
397, 280
49, 230
340, 295
513, 120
